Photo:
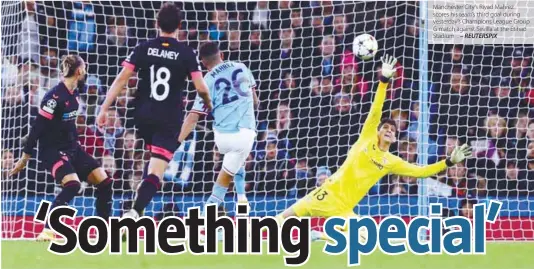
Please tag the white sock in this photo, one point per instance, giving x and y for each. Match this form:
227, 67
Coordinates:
316, 235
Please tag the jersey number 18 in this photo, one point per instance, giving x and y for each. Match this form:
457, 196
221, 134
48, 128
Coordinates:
160, 78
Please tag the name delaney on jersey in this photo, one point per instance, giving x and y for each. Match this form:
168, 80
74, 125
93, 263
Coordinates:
166, 54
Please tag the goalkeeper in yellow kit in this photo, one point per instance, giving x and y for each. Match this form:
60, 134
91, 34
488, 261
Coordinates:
368, 160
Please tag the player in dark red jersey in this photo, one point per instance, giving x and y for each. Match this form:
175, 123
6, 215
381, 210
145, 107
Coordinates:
59, 151
163, 65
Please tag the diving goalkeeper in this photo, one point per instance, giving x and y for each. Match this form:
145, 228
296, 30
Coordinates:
368, 160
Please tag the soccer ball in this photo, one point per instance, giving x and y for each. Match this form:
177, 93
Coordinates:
365, 46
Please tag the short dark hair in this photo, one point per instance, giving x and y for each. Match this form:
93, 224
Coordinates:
69, 64
208, 50
466, 201
169, 18
388, 121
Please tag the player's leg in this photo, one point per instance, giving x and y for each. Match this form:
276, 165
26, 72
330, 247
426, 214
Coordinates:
304, 208
63, 171
287, 213
317, 203
89, 169
314, 204
321, 236
235, 148
219, 189
345, 229
162, 144
239, 186
246, 140
150, 185
104, 192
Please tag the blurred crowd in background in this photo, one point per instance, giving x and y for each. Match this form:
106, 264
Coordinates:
314, 93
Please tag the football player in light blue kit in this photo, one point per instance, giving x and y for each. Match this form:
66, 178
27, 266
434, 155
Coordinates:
232, 89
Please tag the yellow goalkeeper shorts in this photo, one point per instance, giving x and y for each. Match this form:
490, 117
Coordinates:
321, 202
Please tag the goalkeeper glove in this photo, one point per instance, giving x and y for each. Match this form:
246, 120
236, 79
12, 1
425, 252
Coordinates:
388, 65
459, 154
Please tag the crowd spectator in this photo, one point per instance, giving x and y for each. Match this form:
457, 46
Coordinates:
114, 48
456, 109
90, 98
29, 34
261, 15
135, 177
336, 129
350, 82
515, 181
8, 163
325, 62
109, 165
517, 136
457, 177
111, 131
218, 27
465, 207
127, 151
90, 140
275, 176
49, 76
322, 175
303, 177
235, 45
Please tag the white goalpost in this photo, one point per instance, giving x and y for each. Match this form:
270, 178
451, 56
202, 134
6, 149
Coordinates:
314, 97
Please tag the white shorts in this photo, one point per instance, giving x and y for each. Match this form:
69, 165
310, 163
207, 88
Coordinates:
235, 147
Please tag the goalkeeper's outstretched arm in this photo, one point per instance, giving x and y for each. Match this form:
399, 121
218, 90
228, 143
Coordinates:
405, 168
375, 114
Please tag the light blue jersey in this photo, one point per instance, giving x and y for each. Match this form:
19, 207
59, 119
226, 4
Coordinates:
231, 86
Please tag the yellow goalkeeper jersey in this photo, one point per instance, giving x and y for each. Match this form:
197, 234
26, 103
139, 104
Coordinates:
366, 163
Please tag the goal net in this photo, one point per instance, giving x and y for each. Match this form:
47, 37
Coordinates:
314, 97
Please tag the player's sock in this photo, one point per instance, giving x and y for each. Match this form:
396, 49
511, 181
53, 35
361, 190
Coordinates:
317, 236
217, 195
69, 191
145, 169
149, 187
103, 198
239, 182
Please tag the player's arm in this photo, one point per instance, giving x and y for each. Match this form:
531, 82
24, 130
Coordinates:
193, 66
39, 126
373, 118
255, 97
189, 124
199, 109
118, 84
202, 89
253, 88
404, 168
114, 91
128, 70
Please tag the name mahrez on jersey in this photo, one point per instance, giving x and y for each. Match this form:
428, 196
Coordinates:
223, 67
167, 54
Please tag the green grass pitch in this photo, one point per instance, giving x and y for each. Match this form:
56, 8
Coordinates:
34, 255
